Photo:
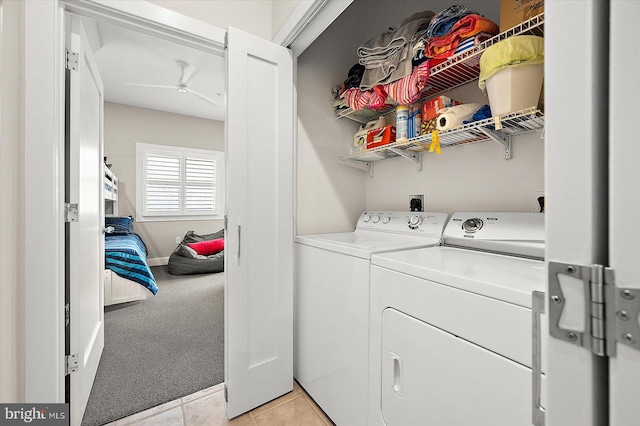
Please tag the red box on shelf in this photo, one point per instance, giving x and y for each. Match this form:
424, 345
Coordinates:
431, 107
381, 136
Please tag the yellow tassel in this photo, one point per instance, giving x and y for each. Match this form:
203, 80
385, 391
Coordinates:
435, 143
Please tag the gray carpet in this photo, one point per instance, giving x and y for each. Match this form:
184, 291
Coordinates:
160, 349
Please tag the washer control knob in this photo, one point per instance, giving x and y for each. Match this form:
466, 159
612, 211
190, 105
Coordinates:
472, 225
386, 219
414, 222
376, 219
366, 218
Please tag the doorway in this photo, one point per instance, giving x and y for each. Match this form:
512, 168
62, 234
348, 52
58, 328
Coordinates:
169, 99
249, 382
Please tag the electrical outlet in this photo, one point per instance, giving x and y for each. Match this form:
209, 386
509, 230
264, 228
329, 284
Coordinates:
535, 205
419, 197
178, 239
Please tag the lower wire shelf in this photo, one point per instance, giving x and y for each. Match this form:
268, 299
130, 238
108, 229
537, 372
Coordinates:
499, 129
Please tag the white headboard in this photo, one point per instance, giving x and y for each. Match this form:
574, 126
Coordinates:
110, 192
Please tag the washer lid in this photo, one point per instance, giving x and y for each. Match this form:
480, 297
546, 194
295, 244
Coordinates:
512, 233
363, 244
507, 278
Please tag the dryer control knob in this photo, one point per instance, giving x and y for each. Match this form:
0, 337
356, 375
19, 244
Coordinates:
414, 222
366, 218
472, 225
376, 219
386, 219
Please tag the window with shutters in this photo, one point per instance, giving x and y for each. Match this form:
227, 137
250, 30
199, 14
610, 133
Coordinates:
175, 183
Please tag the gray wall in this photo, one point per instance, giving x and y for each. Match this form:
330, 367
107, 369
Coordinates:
330, 196
124, 126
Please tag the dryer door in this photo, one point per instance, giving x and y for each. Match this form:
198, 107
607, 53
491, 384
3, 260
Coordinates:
431, 377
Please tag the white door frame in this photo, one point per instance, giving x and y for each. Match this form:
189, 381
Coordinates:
44, 165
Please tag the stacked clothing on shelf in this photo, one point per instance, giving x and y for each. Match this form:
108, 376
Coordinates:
354, 77
404, 91
466, 27
471, 42
393, 68
387, 57
442, 23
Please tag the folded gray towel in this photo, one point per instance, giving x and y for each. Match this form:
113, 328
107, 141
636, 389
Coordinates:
387, 57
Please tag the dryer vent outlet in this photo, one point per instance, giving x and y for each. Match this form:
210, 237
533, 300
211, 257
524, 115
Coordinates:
416, 203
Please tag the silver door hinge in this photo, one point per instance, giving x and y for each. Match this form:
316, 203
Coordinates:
72, 363
71, 60
70, 212
226, 394
226, 40
611, 313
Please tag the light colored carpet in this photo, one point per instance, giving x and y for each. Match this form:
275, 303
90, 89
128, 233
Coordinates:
160, 349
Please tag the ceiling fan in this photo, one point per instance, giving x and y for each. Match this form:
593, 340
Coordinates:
187, 72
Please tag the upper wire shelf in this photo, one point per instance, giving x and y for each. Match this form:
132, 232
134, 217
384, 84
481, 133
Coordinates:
458, 70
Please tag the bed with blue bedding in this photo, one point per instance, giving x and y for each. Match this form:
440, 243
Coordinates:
128, 277
126, 255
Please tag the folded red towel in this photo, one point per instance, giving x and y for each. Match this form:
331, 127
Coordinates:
470, 25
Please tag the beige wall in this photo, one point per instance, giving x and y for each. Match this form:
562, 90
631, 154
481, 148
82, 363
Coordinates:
280, 11
330, 196
124, 126
252, 16
12, 205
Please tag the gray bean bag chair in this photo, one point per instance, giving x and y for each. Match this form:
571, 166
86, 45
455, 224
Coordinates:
185, 261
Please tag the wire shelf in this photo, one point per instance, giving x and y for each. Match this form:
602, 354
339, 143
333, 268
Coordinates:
500, 127
457, 71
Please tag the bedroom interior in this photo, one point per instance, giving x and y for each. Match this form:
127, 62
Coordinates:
158, 347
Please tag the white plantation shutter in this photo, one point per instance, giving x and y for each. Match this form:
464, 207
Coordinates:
162, 186
179, 182
200, 185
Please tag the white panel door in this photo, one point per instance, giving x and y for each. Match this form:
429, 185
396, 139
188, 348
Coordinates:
575, 160
624, 204
259, 233
85, 255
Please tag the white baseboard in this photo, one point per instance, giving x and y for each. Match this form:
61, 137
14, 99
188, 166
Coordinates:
158, 261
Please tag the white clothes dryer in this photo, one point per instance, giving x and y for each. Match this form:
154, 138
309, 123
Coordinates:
331, 322
451, 326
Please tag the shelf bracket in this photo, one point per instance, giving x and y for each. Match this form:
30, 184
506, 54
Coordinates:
504, 141
366, 166
413, 156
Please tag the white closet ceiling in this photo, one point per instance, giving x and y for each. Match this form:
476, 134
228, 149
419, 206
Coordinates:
140, 70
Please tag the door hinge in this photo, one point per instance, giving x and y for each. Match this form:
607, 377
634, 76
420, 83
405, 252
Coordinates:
611, 313
226, 40
71, 60
72, 363
226, 394
70, 212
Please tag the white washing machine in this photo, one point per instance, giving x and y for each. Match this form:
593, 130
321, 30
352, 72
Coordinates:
331, 326
455, 329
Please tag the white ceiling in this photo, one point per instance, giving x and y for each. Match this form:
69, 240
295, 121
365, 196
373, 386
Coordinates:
125, 56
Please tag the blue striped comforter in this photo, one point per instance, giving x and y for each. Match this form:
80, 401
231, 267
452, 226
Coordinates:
126, 255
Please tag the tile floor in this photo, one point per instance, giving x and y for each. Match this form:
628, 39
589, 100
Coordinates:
206, 408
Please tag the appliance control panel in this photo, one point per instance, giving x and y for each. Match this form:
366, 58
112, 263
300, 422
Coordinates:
413, 223
505, 232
